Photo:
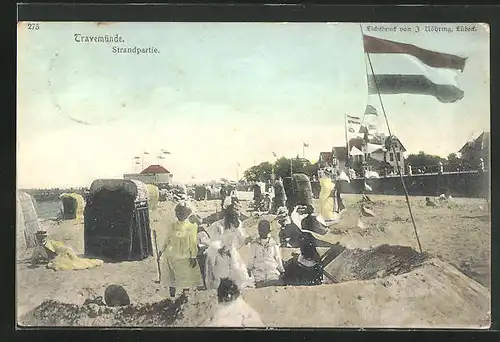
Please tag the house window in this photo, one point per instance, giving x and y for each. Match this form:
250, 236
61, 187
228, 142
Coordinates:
398, 156
391, 157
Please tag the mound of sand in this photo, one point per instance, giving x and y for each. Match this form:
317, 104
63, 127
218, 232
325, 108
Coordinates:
55, 313
405, 289
434, 295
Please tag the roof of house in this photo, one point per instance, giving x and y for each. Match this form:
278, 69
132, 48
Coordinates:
402, 146
155, 169
357, 142
326, 157
340, 152
477, 143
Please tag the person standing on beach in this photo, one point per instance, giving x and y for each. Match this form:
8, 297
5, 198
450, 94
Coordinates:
223, 195
223, 258
203, 242
180, 251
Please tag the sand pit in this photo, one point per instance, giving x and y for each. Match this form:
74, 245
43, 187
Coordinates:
377, 262
385, 286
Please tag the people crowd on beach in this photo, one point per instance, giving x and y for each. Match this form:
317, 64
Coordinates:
197, 255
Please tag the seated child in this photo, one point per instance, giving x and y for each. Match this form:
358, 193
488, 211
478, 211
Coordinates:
265, 263
232, 310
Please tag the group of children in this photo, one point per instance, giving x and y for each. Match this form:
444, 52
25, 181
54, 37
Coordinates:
196, 257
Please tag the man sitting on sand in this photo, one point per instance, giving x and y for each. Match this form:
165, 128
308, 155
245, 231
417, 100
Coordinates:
306, 269
232, 310
265, 263
429, 202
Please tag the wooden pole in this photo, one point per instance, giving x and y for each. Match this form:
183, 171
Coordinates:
393, 149
157, 257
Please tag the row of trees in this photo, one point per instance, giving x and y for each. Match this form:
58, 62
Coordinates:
427, 162
264, 171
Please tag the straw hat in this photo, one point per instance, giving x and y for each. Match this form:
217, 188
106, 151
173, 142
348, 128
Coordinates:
282, 212
328, 171
183, 208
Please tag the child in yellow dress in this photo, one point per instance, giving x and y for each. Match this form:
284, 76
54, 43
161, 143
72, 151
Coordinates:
179, 252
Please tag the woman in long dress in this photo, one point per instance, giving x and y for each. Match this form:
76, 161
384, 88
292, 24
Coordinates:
326, 200
179, 253
223, 259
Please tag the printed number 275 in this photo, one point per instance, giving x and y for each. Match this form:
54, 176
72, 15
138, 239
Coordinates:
33, 26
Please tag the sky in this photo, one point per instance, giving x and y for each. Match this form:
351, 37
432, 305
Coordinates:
218, 94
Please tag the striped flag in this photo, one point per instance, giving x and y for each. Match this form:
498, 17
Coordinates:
353, 127
400, 68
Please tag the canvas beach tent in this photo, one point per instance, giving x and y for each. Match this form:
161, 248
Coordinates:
26, 221
298, 190
117, 223
153, 196
72, 206
200, 192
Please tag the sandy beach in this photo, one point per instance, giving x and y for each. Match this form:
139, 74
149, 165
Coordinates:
455, 234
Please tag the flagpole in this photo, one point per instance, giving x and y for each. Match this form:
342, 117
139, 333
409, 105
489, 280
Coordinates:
346, 140
393, 149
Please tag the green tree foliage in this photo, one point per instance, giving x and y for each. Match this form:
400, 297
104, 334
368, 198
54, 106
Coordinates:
263, 172
429, 162
455, 163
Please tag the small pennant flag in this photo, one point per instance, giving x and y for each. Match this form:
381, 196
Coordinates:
306, 145
137, 157
370, 110
137, 163
274, 154
238, 164
146, 152
161, 157
165, 152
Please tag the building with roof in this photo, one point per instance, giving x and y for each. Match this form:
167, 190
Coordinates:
153, 174
373, 154
475, 149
